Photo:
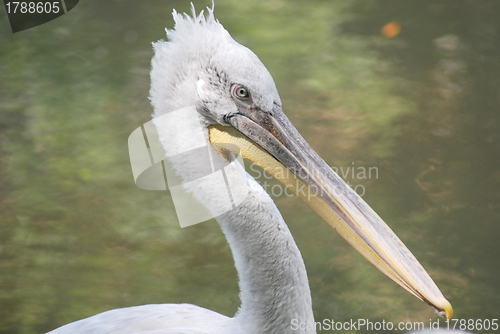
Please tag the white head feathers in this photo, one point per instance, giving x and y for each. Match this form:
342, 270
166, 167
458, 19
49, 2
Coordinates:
198, 65
195, 30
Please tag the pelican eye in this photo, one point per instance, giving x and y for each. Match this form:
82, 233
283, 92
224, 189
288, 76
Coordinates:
240, 92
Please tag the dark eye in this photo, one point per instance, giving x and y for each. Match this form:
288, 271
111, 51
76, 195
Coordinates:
240, 92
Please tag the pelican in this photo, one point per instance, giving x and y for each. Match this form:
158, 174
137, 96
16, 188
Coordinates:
238, 104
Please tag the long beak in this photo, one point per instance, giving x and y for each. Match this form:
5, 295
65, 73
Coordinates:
272, 142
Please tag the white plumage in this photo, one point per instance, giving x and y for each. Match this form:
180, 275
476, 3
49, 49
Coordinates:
273, 280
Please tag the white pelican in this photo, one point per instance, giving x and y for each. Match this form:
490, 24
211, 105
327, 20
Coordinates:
202, 66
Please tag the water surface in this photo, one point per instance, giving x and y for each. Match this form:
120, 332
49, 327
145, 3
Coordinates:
421, 109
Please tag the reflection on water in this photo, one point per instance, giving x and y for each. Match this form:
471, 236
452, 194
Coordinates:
77, 237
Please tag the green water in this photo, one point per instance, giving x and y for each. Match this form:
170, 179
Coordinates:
421, 109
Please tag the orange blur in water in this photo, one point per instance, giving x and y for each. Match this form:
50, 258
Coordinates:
391, 29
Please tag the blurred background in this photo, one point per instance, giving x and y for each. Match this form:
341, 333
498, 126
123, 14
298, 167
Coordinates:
410, 89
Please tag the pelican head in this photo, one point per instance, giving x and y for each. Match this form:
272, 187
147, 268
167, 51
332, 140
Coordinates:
202, 65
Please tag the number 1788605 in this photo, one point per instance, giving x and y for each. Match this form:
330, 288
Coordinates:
33, 7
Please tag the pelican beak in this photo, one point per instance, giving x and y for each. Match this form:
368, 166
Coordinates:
272, 142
